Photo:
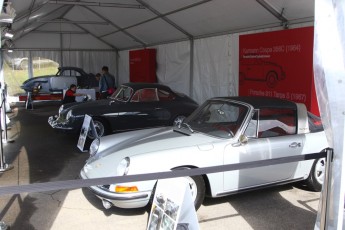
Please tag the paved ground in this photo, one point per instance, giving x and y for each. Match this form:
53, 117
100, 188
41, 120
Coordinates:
40, 155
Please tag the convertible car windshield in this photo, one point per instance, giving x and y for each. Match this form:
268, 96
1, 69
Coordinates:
217, 118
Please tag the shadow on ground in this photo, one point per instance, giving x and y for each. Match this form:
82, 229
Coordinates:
38, 154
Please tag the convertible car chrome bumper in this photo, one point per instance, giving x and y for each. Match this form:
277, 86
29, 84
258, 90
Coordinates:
56, 124
121, 200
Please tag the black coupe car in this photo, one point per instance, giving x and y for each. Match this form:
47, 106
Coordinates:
132, 106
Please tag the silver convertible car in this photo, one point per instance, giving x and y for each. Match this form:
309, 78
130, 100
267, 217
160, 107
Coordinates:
222, 131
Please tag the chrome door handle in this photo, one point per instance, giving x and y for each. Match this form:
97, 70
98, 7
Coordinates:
295, 145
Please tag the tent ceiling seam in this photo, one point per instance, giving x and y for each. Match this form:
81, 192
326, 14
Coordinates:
28, 12
28, 17
98, 38
274, 12
30, 24
156, 17
156, 12
228, 32
62, 20
116, 26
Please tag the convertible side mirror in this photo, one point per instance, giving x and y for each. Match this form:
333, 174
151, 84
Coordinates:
241, 141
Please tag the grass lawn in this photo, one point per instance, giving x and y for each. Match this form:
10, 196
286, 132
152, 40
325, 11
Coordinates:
14, 78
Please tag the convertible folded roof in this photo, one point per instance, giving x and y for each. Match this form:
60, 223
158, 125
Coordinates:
261, 102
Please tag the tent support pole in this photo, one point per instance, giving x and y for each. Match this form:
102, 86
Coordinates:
191, 67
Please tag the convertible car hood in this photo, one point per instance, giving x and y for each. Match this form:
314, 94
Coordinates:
147, 141
114, 148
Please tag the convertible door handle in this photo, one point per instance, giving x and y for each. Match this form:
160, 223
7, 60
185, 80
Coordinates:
295, 145
158, 108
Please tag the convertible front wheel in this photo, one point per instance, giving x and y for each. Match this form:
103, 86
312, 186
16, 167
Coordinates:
198, 189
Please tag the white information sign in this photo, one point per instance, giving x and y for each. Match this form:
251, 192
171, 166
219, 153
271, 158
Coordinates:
173, 206
87, 126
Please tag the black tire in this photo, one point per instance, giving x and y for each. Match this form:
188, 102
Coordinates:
316, 177
102, 128
199, 188
271, 79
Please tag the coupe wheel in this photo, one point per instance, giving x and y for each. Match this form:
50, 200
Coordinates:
24, 64
101, 127
178, 120
317, 174
198, 189
271, 79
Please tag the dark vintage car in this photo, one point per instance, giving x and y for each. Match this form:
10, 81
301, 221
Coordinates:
132, 106
60, 81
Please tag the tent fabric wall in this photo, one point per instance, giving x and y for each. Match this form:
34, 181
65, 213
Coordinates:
123, 71
212, 68
90, 61
173, 66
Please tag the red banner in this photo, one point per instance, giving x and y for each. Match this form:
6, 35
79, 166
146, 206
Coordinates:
278, 64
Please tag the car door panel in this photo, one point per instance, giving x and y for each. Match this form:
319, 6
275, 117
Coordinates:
258, 149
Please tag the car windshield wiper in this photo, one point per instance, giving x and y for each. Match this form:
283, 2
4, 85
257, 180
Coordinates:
188, 126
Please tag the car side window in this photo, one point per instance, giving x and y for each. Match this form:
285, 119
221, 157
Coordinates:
145, 95
165, 95
65, 72
277, 122
135, 97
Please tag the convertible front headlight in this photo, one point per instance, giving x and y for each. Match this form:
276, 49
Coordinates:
122, 168
94, 147
69, 115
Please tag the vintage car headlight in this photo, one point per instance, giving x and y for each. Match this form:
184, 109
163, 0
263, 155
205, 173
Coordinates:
122, 168
94, 147
68, 115
60, 109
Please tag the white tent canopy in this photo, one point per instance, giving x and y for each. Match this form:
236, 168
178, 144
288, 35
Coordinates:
196, 40
128, 24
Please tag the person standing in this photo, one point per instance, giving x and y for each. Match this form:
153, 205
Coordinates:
71, 94
106, 83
